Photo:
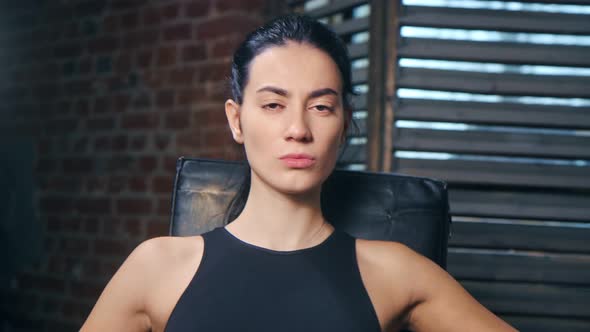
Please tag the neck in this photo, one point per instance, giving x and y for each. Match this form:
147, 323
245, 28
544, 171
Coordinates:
280, 221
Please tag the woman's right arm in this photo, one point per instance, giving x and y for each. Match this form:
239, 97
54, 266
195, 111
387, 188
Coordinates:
122, 304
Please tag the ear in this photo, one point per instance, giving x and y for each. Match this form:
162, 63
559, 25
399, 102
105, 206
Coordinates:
232, 112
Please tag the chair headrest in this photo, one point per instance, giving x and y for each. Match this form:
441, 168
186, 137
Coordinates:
380, 206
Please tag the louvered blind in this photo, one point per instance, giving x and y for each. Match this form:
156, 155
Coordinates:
494, 98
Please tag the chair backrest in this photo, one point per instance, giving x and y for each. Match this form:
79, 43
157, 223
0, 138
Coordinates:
381, 206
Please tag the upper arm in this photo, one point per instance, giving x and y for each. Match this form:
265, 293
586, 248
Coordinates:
121, 306
440, 303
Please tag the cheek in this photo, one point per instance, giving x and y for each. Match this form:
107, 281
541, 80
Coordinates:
256, 134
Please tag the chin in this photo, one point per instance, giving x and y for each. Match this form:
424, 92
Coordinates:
296, 186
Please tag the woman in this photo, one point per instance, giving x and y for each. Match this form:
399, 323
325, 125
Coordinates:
279, 265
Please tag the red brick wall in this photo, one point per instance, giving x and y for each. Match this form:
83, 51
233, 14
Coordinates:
112, 93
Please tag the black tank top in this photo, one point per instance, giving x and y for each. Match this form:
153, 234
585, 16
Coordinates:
243, 287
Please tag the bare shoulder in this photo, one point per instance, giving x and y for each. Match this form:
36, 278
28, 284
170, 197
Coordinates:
390, 256
157, 257
384, 269
175, 261
435, 300
127, 301
157, 252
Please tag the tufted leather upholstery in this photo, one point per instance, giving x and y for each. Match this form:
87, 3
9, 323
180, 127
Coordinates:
384, 206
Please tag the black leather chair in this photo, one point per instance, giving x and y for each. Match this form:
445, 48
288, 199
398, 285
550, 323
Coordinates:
385, 206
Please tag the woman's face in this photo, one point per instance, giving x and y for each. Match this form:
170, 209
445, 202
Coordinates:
292, 104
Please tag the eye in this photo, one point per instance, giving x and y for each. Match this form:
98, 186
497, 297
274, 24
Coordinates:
272, 106
323, 108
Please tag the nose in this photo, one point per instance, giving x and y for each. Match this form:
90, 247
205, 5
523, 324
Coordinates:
298, 127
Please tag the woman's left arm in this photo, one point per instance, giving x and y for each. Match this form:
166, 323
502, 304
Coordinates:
440, 303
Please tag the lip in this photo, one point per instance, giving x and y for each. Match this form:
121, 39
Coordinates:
298, 160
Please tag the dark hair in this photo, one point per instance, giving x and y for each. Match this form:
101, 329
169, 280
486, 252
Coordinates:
290, 27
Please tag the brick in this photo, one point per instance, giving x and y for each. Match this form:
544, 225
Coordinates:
214, 72
63, 184
72, 30
56, 264
102, 144
192, 95
67, 50
100, 123
143, 59
122, 63
74, 246
120, 103
158, 228
130, 20
169, 164
50, 306
86, 290
117, 83
164, 207
137, 183
134, 226
166, 56
242, 5
104, 65
72, 310
116, 183
111, 23
101, 105
75, 88
170, 11
126, 5
177, 120
109, 268
195, 52
165, 98
210, 118
46, 166
155, 79
46, 283
181, 76
89, 8
138, 143
177, 32
133, 206
95, 184
81, 145
90, 226
197, 8
77, 165
119, 163
81, 107
103, 45
93, 206
225, 25
150, 16
162, 184
90, 267
225, 47
119, 143
190, 140
217, 137
142, 100
84, 65
161, 142
148, 163
140, 121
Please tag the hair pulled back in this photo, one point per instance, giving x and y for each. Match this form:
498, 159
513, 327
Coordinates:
277, 32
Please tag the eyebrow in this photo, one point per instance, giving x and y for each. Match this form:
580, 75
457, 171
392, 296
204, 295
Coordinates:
285, 93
